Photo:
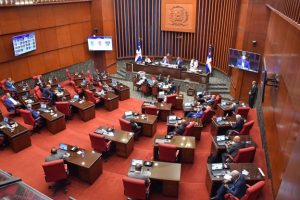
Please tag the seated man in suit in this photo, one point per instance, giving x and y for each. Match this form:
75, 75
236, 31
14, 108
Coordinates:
232, 148
11, 104
137, 129
179, 62
48, 94
165, 60
139, 174
55, 155
198, 114
173, 88
160, 78
236, 186
35, 114
179, 129
243, 63
237, 126
9, 84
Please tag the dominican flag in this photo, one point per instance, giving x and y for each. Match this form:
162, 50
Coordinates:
209, 60
138, 55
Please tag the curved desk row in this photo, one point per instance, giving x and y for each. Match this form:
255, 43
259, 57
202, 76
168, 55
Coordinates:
165, 71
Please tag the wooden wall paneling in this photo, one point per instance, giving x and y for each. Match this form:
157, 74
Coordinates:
62, 17
65, 57
3, 52
36, 64
87, 30
52, 61
63, 36
46, 16
77, 36
12, 23
80, 53
49, 39
5, 70
20, 69
28, 18
79, 12
7, 42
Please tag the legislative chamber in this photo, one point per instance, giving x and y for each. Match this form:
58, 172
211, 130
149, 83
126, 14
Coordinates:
149, 99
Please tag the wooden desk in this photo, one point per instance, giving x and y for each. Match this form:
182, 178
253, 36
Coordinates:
86, 109
213, 183
167, 173
30, 99
179, 102
124, 141
185, 144
22, 90
77, 78
163, 108
111, 101
87, 168
64, 94
17, 135
220, 129
148, 123
55, 120
122, 91
195, 77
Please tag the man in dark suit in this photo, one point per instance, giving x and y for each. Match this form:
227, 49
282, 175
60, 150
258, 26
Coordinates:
136, 129
55, 155
48, 94
253, 94
138, 174
232, 148
179, 129
237, 126
236, 186
11, 104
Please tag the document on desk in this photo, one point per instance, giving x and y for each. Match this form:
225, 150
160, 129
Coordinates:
160, 141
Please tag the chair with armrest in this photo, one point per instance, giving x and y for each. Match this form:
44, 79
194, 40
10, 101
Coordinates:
167, 153
244, 155
100, 144
252, 192
151, 110
77, 90
154, 90
144, 89
28, 119
135, 188
125, 125
189, 129
69, 75
12, 111
64, 107
55, 171
89, 77
243, 111
39, 95
246, 128
90, 97
207, 115
3, 87
171, 99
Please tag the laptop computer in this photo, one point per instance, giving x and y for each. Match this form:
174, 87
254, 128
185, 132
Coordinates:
172, 119
63, 147
76, 97
135, 161
43, 106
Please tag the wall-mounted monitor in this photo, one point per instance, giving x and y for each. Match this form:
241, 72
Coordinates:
244, 60
24, 43
100, 43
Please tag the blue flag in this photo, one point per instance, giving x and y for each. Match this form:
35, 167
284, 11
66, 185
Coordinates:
138, 52
209, 60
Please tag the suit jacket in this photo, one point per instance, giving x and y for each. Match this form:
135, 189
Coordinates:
238, 126
180, 129
35, 114
9, 85
233, 149
253, 91
238, 187
47, 93
9, 105
239, 63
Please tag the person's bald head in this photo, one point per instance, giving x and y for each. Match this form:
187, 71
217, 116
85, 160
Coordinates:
238, 117
236, 138
235, 174
253, 82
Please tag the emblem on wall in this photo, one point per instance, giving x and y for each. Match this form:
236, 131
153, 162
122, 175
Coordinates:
178, 16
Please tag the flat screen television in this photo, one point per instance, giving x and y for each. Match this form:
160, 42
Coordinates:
24, 43
100, 43
244, 60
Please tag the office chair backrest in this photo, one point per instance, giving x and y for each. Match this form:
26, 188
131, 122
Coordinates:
38, 93
245, 155
98, 142
3, 85
253, 191
27, 117
167, 152
54, 170
90, 96
171, 99
189, 129
135, 188
68, 74
125, 125
63, 106
151, 110
207, 115
247, 127
144, 88
243, 111
154, 90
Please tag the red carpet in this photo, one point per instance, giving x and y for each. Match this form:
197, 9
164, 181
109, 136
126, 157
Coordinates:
27, 163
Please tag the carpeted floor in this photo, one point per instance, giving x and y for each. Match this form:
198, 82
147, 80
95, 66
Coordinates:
26, 164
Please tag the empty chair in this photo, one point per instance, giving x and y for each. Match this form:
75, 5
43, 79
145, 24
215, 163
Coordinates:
167, 153
244, 155
207, 115
252, 192
55, 171
151, 110
154, 91
64, 107
125, 125
135, 188
100, 144
243, 111
189, 129
144, 89
76, 88
28, 119
246, 128
171, 99
90, 97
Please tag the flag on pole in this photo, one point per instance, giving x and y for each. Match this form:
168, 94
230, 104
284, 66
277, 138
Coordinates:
209, 60
138, 55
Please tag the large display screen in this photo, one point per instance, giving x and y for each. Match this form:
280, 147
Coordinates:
244, 60
100, 43
24, 43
